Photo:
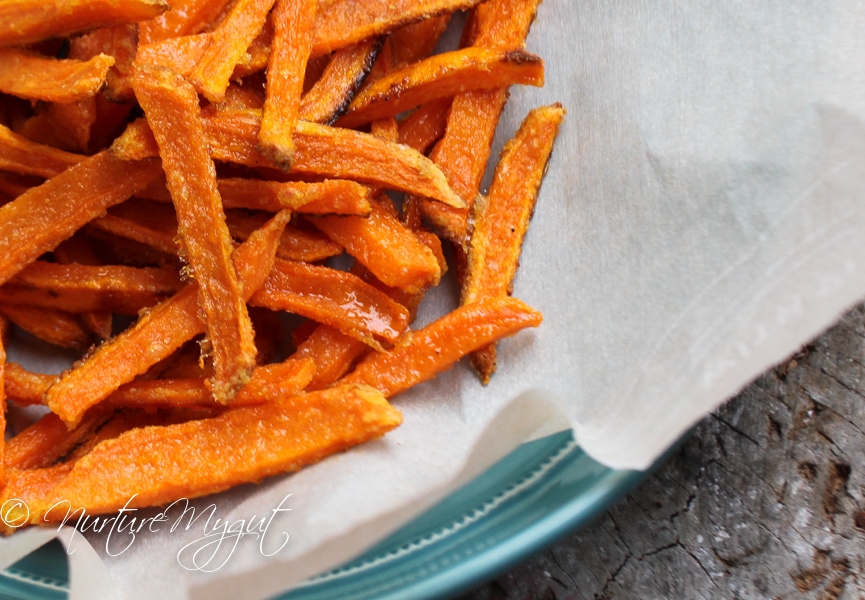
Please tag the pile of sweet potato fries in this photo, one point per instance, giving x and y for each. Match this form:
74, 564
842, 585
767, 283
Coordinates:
194, 166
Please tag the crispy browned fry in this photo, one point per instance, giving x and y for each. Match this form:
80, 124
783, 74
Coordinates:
60, 80
156, 334
171, 107
156, 465
227, 45
441, 76
335, 298
436, 347
26, 21
19, 154
345, 22
293, 22
464, 151
81, 288
320, 150
332, 93
56, 327
34, 223
386, 247
502, 218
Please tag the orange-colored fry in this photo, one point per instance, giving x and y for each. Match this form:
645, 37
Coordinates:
59, 80
320, 150
65, 126
227, 45
120, 42
464, 151
415, 41
35, 222
79, 249
171, 107
81, 288
386, 247
335, 298
24, 386
345, 22
186, 17
436, 347
328, 197
332, 93
293, 22
425, 126
157, 465
441, 76
162, 239
25, 21
156, 334
269, 383
179, 54
333, 352
19, 154
502, 218
3, 451
295, 244
48, 439
56, 327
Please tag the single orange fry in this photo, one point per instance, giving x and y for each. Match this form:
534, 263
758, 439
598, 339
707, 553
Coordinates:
442, 76
293, 22
502, 218
428, 351
21, 155
60, 80
171, 107
26, 21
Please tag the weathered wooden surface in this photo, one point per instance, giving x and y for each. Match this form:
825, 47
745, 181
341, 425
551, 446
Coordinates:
765, 500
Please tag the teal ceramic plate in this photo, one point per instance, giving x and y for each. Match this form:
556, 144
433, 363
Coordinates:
539, 492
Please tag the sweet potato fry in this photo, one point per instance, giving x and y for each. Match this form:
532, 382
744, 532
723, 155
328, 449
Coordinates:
335, 298
47, 440
3, 451
156, 465
60, 80
156, 334
25, 21
56, 327
333, 352
119, 42
171, 107
425, 126
227, 45
344, 22
179, 54
386, 247
441, 76
295, 244
33, 223
415, 41
82, 288
79, 250
161, 239
293, 22
19, 154
501, 219
186, 17
332, 93
464, 150
23, 386
436, 347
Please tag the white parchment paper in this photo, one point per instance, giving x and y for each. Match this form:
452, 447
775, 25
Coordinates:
701, 218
